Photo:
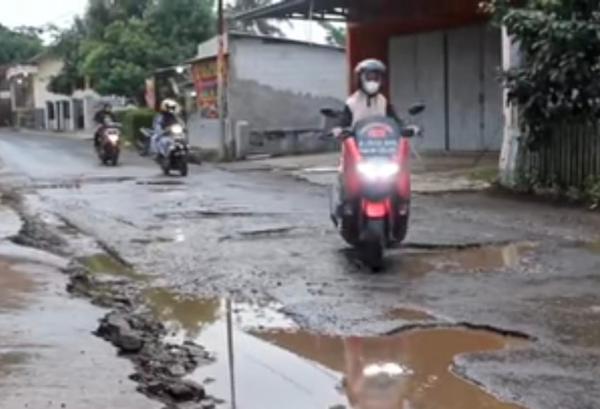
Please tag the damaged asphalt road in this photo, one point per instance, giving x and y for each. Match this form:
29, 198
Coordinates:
507, 289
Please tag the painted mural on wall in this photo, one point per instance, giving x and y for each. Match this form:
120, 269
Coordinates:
206, 81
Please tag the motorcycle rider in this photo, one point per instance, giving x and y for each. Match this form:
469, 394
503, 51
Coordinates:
368, 101
168, 116
100, 118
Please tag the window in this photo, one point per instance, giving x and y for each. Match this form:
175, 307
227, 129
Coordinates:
50, 111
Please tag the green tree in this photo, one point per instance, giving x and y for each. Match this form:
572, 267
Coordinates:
558, 81
258, 26
119, 63
19, 45
336, 34
67, 45
178, 26
118, 43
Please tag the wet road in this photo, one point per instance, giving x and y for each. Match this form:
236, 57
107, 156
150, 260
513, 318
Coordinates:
488, 261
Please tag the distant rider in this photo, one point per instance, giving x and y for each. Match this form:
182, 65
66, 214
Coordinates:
168, 116
100, 118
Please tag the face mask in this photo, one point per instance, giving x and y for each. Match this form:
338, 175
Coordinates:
372, 87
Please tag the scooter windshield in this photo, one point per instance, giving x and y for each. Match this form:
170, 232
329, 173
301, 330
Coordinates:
377, 137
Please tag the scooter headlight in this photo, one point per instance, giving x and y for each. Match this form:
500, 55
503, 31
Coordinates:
113, 138
378, 170
177, 130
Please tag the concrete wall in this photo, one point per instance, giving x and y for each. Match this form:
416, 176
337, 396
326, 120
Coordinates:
204, 133
279, 85
455, 72
296, 68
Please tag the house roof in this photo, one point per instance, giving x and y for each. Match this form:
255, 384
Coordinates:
210, 48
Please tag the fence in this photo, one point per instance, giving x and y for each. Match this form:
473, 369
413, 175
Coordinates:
569, 158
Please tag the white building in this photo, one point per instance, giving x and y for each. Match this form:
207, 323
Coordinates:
275, 89
35, 106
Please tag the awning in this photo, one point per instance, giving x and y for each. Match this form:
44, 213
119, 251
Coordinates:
320, 10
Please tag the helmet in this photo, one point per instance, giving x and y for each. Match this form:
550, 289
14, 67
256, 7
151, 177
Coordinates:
370, 75
370, 65
169, 105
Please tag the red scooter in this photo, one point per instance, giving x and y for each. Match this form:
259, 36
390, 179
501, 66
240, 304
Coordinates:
373, 212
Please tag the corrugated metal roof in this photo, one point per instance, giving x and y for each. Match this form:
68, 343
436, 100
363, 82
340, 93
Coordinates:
332, 10
210, 48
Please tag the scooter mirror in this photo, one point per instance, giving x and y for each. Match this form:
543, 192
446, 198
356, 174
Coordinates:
416, 109
330, 113
410, 132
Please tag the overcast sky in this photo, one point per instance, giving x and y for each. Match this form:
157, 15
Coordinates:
14, 13
39, 12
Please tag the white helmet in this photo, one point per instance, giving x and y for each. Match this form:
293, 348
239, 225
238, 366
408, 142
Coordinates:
169, 105
370, 75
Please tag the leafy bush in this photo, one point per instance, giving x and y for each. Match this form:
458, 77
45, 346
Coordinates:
134, 119
558, 81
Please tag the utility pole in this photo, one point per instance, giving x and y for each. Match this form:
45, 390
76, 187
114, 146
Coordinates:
222, 80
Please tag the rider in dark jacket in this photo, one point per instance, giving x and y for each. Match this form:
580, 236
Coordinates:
100, 119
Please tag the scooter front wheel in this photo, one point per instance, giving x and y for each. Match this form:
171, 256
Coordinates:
164, 165
373, 244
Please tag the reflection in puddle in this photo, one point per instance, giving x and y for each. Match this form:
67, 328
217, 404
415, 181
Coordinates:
179, 235
471, 259
105, 264
274, 364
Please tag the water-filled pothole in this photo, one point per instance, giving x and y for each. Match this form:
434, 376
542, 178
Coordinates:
264, 360
471, 259
10, 361
408, 314
104, 264
14, 285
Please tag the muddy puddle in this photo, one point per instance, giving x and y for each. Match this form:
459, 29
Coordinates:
263, 360
408, 314
473, 259
14, 286
10, 362
104, 264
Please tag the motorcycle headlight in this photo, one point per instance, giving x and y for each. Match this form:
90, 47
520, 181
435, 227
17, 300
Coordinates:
177, 130
378, 170
113, 138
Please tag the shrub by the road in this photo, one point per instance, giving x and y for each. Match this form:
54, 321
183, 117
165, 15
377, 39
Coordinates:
134, 119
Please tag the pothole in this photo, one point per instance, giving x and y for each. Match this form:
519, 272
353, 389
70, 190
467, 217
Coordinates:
161, 182
263, 233
75, 183
104, 264
472, 259
208, 214
10, 361
407, 314
14, 286
265, 360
